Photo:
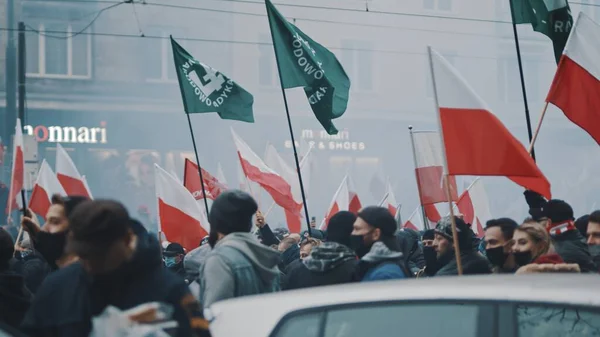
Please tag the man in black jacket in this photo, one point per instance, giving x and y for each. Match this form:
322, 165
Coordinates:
14, 296
472, 261
116, 267
332, 262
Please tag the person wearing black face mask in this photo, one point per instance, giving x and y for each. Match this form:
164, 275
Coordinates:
50, 240
498, 244
377, 247
430, 255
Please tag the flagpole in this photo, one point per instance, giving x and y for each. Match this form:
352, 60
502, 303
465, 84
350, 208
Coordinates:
21, 70
197, 162
446, 175
414, 151
289, 120
520, 62
537, 128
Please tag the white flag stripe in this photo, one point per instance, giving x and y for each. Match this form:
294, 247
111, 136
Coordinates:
583, 46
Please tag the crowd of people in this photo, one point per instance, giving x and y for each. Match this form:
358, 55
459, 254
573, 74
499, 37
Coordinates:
90, 256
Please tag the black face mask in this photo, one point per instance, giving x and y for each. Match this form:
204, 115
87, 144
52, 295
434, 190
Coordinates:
431, 262
496, 256
523, 258
359, 246
51, 245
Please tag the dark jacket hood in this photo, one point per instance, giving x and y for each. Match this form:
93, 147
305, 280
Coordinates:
328, 256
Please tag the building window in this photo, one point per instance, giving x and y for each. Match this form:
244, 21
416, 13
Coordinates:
159, 55
509, 81
357, 59
59, 52
451, 58
438, 5
267, 67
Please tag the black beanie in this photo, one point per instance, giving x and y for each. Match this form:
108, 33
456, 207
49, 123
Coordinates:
558, 211
232, 212
379, 217
444, 228
340, 227
428, 234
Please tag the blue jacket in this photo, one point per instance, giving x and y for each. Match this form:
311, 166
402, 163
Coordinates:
381, 263
384, 271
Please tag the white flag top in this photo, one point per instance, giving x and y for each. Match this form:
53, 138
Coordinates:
68, 175
45, 187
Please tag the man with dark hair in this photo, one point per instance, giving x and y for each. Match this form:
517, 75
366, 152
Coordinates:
593, 236
498, 245
331, 262
429, 254
472, 261
238, 264
377, 246
14, 296
50, 239
115, 268
173, 256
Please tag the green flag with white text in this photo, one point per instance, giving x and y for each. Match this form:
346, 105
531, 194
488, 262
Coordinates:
204, 89
549, 17
305, 63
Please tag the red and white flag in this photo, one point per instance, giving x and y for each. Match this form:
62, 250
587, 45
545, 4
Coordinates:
221, 175
474, 206
340, 202
180, 216
191, 180
432, 213
389, 200
415, 221
475, 140
355, 204
45, 187
256, 170
576, 86
68, 175
429, 158
17, 178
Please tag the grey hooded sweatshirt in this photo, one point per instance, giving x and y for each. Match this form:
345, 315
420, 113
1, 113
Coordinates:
239, 265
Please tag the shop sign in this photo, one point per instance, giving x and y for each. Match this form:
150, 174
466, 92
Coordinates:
68, 134
321, 140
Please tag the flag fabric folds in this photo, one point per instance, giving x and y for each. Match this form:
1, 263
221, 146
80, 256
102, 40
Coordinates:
389, 200
576, 86
17, 178
340, 202
69, 176
476, 142
415, 221
45, 187
256, 170
429, 159
305, 63
204, 89
551, 18
191, 180
180, 216
474, 206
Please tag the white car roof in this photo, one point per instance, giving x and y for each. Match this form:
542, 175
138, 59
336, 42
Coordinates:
258, 315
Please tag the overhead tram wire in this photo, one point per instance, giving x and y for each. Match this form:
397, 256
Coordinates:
158, 37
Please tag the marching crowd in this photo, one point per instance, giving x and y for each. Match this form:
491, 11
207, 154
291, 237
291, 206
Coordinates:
91, 256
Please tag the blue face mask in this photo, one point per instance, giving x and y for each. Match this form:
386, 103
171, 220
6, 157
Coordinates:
171, 261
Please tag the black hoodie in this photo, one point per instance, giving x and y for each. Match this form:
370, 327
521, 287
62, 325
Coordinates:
14, 298
70, 297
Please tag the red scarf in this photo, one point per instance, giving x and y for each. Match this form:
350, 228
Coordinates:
560, 228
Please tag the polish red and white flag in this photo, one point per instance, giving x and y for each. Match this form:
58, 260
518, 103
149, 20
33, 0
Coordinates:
69, 176
256, 170
17, 177
476, 143
340, 202
415, 221
474, 206
389, 200
180, 216
576, 85
45, 187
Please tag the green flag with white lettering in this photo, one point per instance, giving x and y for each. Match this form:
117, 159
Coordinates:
305, 63
549, 17
204, 89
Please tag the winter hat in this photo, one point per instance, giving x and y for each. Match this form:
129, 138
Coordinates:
174, 249
444, 228
379, 217
232, 212
340, 227
428, 234
558, 211
280, 233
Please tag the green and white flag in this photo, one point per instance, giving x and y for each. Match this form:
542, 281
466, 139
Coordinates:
549, 17
204, 89
305, 63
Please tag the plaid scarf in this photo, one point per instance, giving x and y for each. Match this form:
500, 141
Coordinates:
327, 256
558, 229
